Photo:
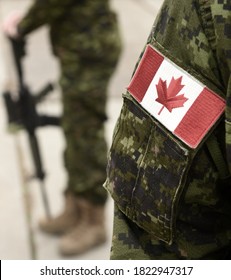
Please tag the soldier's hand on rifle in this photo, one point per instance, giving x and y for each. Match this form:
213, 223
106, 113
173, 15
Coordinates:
10, 24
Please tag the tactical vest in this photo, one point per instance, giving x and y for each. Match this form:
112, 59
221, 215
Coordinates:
171, 110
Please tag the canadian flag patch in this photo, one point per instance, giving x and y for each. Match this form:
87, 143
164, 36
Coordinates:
176, 99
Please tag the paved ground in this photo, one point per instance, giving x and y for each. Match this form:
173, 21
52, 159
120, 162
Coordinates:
21, 203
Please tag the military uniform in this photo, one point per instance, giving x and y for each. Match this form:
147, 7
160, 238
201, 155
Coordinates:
85, 38
172, 201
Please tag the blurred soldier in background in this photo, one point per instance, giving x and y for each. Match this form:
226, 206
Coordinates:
85, 38
172, 198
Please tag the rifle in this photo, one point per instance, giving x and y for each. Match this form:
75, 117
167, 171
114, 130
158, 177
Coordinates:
21, 111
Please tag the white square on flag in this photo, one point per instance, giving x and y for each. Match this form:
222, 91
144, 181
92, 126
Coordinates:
176, 99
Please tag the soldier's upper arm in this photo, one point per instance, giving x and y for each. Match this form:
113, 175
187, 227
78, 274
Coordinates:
221, 17
43, 12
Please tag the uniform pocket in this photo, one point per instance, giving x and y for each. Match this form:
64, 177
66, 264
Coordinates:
146, 171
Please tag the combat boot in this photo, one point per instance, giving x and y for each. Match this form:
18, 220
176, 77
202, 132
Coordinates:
66, 221
88, 233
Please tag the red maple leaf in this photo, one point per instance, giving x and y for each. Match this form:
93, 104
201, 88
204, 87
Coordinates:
168, 96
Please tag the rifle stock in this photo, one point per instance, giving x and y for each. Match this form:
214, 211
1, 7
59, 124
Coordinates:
22, 112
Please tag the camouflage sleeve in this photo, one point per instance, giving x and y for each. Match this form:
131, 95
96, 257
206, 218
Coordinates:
221, 19
42, 12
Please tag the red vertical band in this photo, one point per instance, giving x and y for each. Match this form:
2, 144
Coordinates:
200, 118
148, 66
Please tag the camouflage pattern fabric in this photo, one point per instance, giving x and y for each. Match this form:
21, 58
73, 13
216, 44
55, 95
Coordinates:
169, 200
86, 40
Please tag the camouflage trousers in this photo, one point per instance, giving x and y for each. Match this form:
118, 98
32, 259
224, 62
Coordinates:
84, 86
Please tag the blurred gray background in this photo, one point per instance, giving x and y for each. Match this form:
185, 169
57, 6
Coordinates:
21, 204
